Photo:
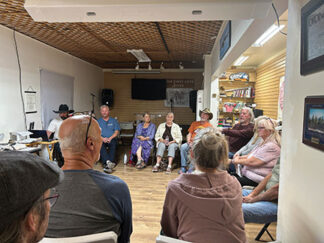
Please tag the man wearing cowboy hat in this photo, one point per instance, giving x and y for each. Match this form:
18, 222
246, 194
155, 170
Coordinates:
195, 127
55, 124
54, 127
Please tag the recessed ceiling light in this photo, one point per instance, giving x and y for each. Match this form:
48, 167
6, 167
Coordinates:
196, 12
90, 14
140, 55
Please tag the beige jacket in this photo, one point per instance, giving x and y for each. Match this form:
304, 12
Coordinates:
175, 132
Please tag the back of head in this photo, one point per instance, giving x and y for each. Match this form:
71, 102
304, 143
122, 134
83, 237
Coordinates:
210, 149
73, 132
24, 178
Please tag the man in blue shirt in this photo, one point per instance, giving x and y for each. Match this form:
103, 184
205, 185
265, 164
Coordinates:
109, 132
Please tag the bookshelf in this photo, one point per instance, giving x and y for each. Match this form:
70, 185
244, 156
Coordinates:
234, 94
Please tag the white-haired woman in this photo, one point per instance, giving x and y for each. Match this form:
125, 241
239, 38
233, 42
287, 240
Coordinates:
205, 206
260, 161
168, 136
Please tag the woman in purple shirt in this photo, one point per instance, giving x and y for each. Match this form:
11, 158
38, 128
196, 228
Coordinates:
260, 161
143, 141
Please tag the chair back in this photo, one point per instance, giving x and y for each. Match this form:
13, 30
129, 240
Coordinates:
106, 237
166, 239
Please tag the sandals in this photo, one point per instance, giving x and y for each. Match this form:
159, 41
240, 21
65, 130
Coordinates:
140, 165
156, 168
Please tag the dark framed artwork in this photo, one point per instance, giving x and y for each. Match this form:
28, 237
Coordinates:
313, 131
312, 37
225, 41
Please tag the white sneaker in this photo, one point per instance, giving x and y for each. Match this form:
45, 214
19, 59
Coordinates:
110, 164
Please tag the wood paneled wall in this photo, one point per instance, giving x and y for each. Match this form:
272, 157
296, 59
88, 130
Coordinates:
125, 108
267, 85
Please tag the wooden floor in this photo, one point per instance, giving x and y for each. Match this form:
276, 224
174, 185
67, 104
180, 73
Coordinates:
148, 191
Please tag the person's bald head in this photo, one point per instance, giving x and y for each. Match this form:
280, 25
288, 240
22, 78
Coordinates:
73, 131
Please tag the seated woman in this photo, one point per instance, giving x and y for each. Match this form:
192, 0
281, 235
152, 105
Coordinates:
260, 161
143, 141
206, 206
168, 135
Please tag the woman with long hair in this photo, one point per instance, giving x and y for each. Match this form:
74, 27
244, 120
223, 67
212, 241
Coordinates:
260, 161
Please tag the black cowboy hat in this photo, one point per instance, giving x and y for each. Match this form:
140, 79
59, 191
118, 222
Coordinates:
63, 108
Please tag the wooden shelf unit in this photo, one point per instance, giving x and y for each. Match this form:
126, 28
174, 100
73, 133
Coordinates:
229, 88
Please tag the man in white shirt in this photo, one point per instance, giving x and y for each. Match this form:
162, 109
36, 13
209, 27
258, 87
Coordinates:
55, 124
54, 127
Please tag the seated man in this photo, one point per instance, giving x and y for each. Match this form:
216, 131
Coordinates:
54, 127
260, 205
90, 201
109, 132
195, 127
167, 136
26, 198
241, 133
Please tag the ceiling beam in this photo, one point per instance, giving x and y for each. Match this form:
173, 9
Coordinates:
162, 37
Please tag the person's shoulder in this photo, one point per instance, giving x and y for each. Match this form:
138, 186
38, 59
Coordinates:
161, 125
176, 125
105, 180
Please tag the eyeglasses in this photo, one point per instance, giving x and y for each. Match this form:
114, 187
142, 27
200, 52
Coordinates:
261, 128
89, 124
53, 197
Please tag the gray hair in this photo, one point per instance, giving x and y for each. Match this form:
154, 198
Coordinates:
250, 112
104, 106
210, 149
75, 141
170, 113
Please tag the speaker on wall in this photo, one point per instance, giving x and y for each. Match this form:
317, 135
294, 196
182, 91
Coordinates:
107, 97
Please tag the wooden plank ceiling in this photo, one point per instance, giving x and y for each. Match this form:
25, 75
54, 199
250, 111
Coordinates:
105, 44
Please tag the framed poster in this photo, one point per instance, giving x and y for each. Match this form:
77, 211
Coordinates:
225, 41
30, 98
312, 37
179, 97
313, 131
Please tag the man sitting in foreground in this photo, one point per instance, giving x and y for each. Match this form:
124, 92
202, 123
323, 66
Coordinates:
26, 199
260, 205
91, 201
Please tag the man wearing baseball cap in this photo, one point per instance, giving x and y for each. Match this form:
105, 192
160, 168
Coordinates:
26, 183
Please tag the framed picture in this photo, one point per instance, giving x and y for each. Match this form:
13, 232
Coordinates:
30, 102
313, 131
312, 37
225, 41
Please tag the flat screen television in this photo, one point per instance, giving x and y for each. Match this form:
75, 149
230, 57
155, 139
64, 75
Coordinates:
148, 89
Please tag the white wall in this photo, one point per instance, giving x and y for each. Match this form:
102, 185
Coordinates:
301, 197
35, 55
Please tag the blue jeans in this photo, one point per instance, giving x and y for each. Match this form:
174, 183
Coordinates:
259, 212
110, 154
184, 149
